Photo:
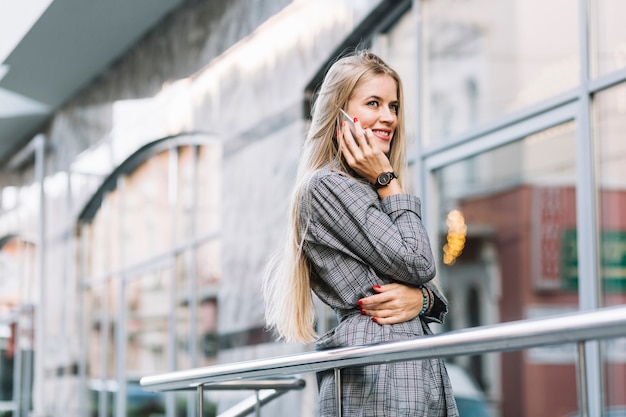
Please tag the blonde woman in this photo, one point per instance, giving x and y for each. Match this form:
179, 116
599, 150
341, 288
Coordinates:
356, 240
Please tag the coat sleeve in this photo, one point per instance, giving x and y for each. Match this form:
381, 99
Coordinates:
440, 307
347, 216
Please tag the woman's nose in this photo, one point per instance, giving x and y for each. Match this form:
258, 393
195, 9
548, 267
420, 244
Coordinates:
386, 115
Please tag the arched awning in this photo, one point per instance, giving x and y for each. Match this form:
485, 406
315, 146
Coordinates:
135, 160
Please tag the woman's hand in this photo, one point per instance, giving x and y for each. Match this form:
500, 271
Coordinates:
364, 158
394, 303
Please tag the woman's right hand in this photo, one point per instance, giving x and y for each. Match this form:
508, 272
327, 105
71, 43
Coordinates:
393, 303
368, 161
364, 158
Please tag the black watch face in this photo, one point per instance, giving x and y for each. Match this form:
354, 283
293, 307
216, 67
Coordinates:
384, 178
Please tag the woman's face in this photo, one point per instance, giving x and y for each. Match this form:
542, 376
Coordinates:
375, 104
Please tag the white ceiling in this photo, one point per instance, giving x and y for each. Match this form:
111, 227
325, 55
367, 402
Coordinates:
51, 49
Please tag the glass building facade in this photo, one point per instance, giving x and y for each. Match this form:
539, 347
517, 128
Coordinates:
143, 252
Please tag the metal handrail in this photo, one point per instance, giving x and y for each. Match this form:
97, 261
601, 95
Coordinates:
257, 384
602, 323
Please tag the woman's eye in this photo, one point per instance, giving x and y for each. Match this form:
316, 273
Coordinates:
373, 103
394, 108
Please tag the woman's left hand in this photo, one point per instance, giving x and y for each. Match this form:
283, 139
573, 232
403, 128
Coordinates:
394, 303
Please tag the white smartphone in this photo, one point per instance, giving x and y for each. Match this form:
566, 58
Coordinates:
345, 117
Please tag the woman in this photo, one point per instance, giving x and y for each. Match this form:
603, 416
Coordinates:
355, 232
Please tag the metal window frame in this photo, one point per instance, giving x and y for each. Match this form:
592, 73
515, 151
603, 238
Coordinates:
129, 270
575, 104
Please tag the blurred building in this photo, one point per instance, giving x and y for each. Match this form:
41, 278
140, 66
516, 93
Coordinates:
148, 150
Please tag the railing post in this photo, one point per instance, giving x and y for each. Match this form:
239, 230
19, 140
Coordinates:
200, 401
338, 390
257, 406
581, 363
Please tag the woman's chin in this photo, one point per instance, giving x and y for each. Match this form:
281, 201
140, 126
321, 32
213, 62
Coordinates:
384, 146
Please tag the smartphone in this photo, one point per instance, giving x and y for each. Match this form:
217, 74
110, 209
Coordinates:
343, 116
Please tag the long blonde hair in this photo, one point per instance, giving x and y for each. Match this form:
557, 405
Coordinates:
289, 307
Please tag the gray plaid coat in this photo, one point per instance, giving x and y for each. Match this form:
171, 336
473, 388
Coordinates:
353, 241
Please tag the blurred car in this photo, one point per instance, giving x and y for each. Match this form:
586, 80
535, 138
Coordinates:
7, 408
469, 398
138, 401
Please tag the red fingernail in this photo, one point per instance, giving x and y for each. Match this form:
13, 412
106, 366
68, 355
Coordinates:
374, 319
356, 120
377, 287
363, 312
360, 302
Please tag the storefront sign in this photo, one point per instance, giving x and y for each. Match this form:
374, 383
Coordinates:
612, 255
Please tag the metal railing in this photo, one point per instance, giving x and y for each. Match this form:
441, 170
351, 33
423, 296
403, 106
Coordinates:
265, 390
576, 327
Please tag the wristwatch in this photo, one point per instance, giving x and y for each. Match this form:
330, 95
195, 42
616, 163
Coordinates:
384, 179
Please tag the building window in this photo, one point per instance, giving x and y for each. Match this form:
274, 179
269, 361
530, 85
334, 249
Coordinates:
152, 259
511, 48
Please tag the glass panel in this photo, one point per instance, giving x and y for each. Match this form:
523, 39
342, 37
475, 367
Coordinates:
208, 189
101, 351
615, 376
197, 347
18, 300
184, 202
190, 347
7, 361
17, 275
95, 332
147, 218
101, 255
141, 403
186, 404
506, 227
183, 313
25, 360
485, 58
147, 316
17, 340
609, 36
609, 127
208, 272
398, 47
147, 342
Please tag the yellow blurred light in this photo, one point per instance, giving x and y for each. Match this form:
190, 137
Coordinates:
456, 237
